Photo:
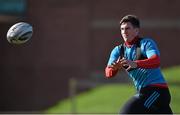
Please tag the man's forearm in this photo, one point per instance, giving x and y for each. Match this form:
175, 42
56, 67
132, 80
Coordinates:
152, 62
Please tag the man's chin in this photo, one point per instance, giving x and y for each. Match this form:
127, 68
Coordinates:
128, 40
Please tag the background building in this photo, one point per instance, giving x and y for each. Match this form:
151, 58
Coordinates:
73, 39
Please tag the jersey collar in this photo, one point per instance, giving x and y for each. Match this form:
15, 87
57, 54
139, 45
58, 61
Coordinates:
134, 41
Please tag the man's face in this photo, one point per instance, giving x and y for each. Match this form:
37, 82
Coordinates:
128, 32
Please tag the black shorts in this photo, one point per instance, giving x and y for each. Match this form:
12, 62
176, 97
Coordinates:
150, 100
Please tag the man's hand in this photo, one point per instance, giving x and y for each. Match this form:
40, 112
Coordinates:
128, 63
116, 65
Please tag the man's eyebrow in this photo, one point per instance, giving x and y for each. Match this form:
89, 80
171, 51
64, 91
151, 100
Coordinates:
124, 27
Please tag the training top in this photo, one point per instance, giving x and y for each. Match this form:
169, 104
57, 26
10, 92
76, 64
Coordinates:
141, 77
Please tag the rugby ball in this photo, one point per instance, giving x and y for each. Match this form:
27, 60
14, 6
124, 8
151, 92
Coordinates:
19, 33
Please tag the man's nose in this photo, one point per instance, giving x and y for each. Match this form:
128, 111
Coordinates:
124, 31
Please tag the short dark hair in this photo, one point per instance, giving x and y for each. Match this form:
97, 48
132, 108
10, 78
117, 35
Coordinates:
132, 19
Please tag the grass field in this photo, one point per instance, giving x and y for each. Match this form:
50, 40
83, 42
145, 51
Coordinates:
110, 98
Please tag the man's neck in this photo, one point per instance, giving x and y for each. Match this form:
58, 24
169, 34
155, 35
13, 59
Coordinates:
130, 43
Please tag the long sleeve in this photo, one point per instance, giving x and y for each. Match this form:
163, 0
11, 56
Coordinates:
109, 71
152, 62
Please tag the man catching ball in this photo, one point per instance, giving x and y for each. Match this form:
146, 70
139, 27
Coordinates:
140, 57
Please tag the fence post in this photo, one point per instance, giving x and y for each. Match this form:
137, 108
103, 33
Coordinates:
72, 94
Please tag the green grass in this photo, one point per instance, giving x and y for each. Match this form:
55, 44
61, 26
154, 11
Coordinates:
103, 99
110, 98
172, 74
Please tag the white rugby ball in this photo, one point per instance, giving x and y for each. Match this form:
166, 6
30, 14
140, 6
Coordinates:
19, 33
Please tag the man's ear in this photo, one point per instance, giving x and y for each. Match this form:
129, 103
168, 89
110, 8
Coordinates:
137, 30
